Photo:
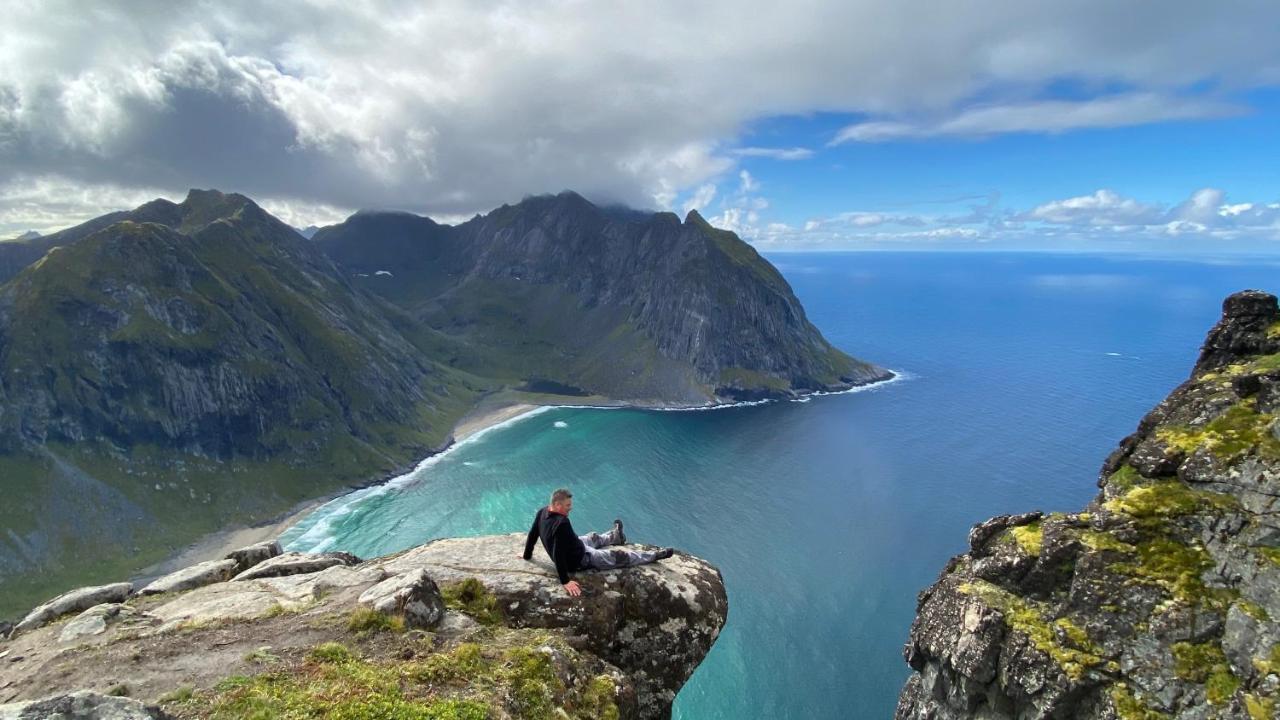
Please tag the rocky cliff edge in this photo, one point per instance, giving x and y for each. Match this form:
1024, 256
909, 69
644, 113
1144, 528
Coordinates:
1161, 599
458, 628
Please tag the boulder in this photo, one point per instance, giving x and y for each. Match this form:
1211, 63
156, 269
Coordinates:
205, 573
94, 621
296, 563
655, 622
247, 557
83, 705
6, 627
78, 599
412, 595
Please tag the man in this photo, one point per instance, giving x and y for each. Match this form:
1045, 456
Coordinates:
571, 553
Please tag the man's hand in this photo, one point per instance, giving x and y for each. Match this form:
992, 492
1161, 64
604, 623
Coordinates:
573, 588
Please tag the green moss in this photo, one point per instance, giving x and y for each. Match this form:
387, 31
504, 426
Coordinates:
364, 620
1237, 430
1254, 610
1260, 707
1099, 540
1269, 664
1220, 686
121, 690
473, 598
599, 699
1129, 707
1124, 479
1163, 499
1176, 568
1059, 638
1195, 662
1029, 537
534, 683
1270, 553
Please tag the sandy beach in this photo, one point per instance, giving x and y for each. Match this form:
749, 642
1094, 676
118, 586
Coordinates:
216, 545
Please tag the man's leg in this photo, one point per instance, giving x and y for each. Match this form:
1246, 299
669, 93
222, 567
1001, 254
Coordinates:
619, 558
599, 540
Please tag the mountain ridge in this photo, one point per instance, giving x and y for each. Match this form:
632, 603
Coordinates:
173, 369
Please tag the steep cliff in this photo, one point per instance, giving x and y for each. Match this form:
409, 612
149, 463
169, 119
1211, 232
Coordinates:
632, 305
1162, 598
459, 628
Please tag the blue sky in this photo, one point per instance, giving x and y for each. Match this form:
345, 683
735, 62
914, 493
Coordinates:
819, 124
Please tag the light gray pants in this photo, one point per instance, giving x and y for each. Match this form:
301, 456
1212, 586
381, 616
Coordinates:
601, 559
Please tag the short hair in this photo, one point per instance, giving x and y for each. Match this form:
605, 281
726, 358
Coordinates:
560, 495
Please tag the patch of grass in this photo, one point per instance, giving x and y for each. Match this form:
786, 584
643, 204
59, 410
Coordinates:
178, 696
121, 690
751, 379
473, 598
1205, 663
1238, 430
1176, 568
331, 652
1254, 610
365, 620
1099, 540
1059, 638
1220, 686
513, 675
1270, 553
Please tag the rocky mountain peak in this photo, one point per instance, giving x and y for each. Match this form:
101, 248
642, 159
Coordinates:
1248, 318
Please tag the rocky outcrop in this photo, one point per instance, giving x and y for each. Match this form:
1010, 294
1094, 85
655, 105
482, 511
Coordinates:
75, 600
623, 649
295, 563
82, 706
1161, 599
199, 575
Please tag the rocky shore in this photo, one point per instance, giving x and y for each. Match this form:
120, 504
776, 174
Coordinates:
1161, 599
454, 628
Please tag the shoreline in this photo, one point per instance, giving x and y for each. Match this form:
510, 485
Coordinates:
478, 421
216, 545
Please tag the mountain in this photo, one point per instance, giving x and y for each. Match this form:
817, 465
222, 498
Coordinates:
1162, 598
635, 306
28, 235
308, 232
180, 367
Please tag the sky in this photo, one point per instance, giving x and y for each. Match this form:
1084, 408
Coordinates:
807, 125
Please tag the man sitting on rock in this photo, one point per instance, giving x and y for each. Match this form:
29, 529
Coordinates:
571, 552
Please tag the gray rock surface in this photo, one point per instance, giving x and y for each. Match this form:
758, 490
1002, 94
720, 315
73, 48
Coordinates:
295, 563
647, 627
81, 706
205, 573
94, 621
1161, 600
412, 595
75, 600
247, 557
655, 622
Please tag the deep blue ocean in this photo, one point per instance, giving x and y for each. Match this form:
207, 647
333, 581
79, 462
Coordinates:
826, 517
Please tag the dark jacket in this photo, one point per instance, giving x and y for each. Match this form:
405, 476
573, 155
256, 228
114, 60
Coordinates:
559, 540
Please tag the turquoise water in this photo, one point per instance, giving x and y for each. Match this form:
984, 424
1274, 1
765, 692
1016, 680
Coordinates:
828, 516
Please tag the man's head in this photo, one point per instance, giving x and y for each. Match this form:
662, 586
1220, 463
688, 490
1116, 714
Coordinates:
562, 501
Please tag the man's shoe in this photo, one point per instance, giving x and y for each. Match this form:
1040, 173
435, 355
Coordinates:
665, 553
617, 532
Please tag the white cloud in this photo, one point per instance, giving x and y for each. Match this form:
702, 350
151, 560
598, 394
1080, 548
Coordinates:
1050, 116
791, 153
1103, 207
458, 106
747, 184
701, 199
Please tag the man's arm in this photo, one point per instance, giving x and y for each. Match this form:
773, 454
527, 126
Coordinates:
533, 538
562, 550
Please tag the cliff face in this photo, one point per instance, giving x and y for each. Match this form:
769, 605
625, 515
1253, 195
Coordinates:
1162, 598
638, 306
459, 628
